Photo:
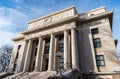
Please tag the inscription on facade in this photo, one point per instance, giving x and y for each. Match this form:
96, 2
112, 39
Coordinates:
51, 18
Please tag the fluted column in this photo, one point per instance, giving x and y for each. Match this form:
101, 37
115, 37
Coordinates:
38, 58
75, 63
50, 64
43, 48
28, 56
23, 56
65, 49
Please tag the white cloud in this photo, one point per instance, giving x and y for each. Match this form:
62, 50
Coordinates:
11, 22
18, 1
5, 37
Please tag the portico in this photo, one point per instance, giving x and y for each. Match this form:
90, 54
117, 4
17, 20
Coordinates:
41, 51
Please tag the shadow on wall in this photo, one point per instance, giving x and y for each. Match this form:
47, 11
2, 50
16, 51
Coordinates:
86, 54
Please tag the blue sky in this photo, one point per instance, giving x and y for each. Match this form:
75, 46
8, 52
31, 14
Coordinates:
14, 14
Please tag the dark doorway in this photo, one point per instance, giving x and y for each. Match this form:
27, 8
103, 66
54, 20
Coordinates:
46, 64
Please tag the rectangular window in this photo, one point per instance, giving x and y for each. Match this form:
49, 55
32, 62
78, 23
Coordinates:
61, 37
97, 42
100, 60
60, 47
61, 62
94, 31
47, 49
47, 40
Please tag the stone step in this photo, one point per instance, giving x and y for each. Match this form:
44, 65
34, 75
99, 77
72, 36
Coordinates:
32, 75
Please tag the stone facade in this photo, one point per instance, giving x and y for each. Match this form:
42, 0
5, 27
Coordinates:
84, 40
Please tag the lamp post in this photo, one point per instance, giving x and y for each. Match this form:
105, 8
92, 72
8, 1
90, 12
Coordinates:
58, 67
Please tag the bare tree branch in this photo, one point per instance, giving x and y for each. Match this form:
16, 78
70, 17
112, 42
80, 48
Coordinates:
5, 54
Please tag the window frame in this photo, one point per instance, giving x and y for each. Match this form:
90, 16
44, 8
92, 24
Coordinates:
99, 60
47, 48
61, 47
95, 31
61, 37
96, 43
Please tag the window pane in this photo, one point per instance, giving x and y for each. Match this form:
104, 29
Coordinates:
95, 31
100, 60
100, 57
60, 47
97, 42
47, 49
61, 60
61, 36
61, 65
100, 63
47, 40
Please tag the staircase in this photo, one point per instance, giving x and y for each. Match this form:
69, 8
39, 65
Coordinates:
32, 75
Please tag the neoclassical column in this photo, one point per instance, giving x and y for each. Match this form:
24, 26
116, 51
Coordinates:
55, 51
21, 66
74, 49
43, 48
28, 56
66, 61
38, 58
50, 64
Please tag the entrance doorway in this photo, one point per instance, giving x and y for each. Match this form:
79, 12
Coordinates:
45, 66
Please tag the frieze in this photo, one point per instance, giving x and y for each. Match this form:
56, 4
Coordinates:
53, 30
51, 19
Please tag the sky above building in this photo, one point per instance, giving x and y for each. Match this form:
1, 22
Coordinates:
15, 14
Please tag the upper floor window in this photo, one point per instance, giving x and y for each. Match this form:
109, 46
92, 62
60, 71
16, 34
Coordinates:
94, 31
61, 36
97, 42
47, 40
100, 60
60, 47
47, 49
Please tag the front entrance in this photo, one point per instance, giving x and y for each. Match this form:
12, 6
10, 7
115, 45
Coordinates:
45, 64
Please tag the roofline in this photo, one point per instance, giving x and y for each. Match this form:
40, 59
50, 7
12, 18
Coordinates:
53, 13
108, 13
96, 16
103, 7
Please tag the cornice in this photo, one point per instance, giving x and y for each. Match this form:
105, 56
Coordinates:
71, 18
18, 38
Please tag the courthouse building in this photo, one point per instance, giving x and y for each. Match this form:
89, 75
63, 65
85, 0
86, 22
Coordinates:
85, 41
